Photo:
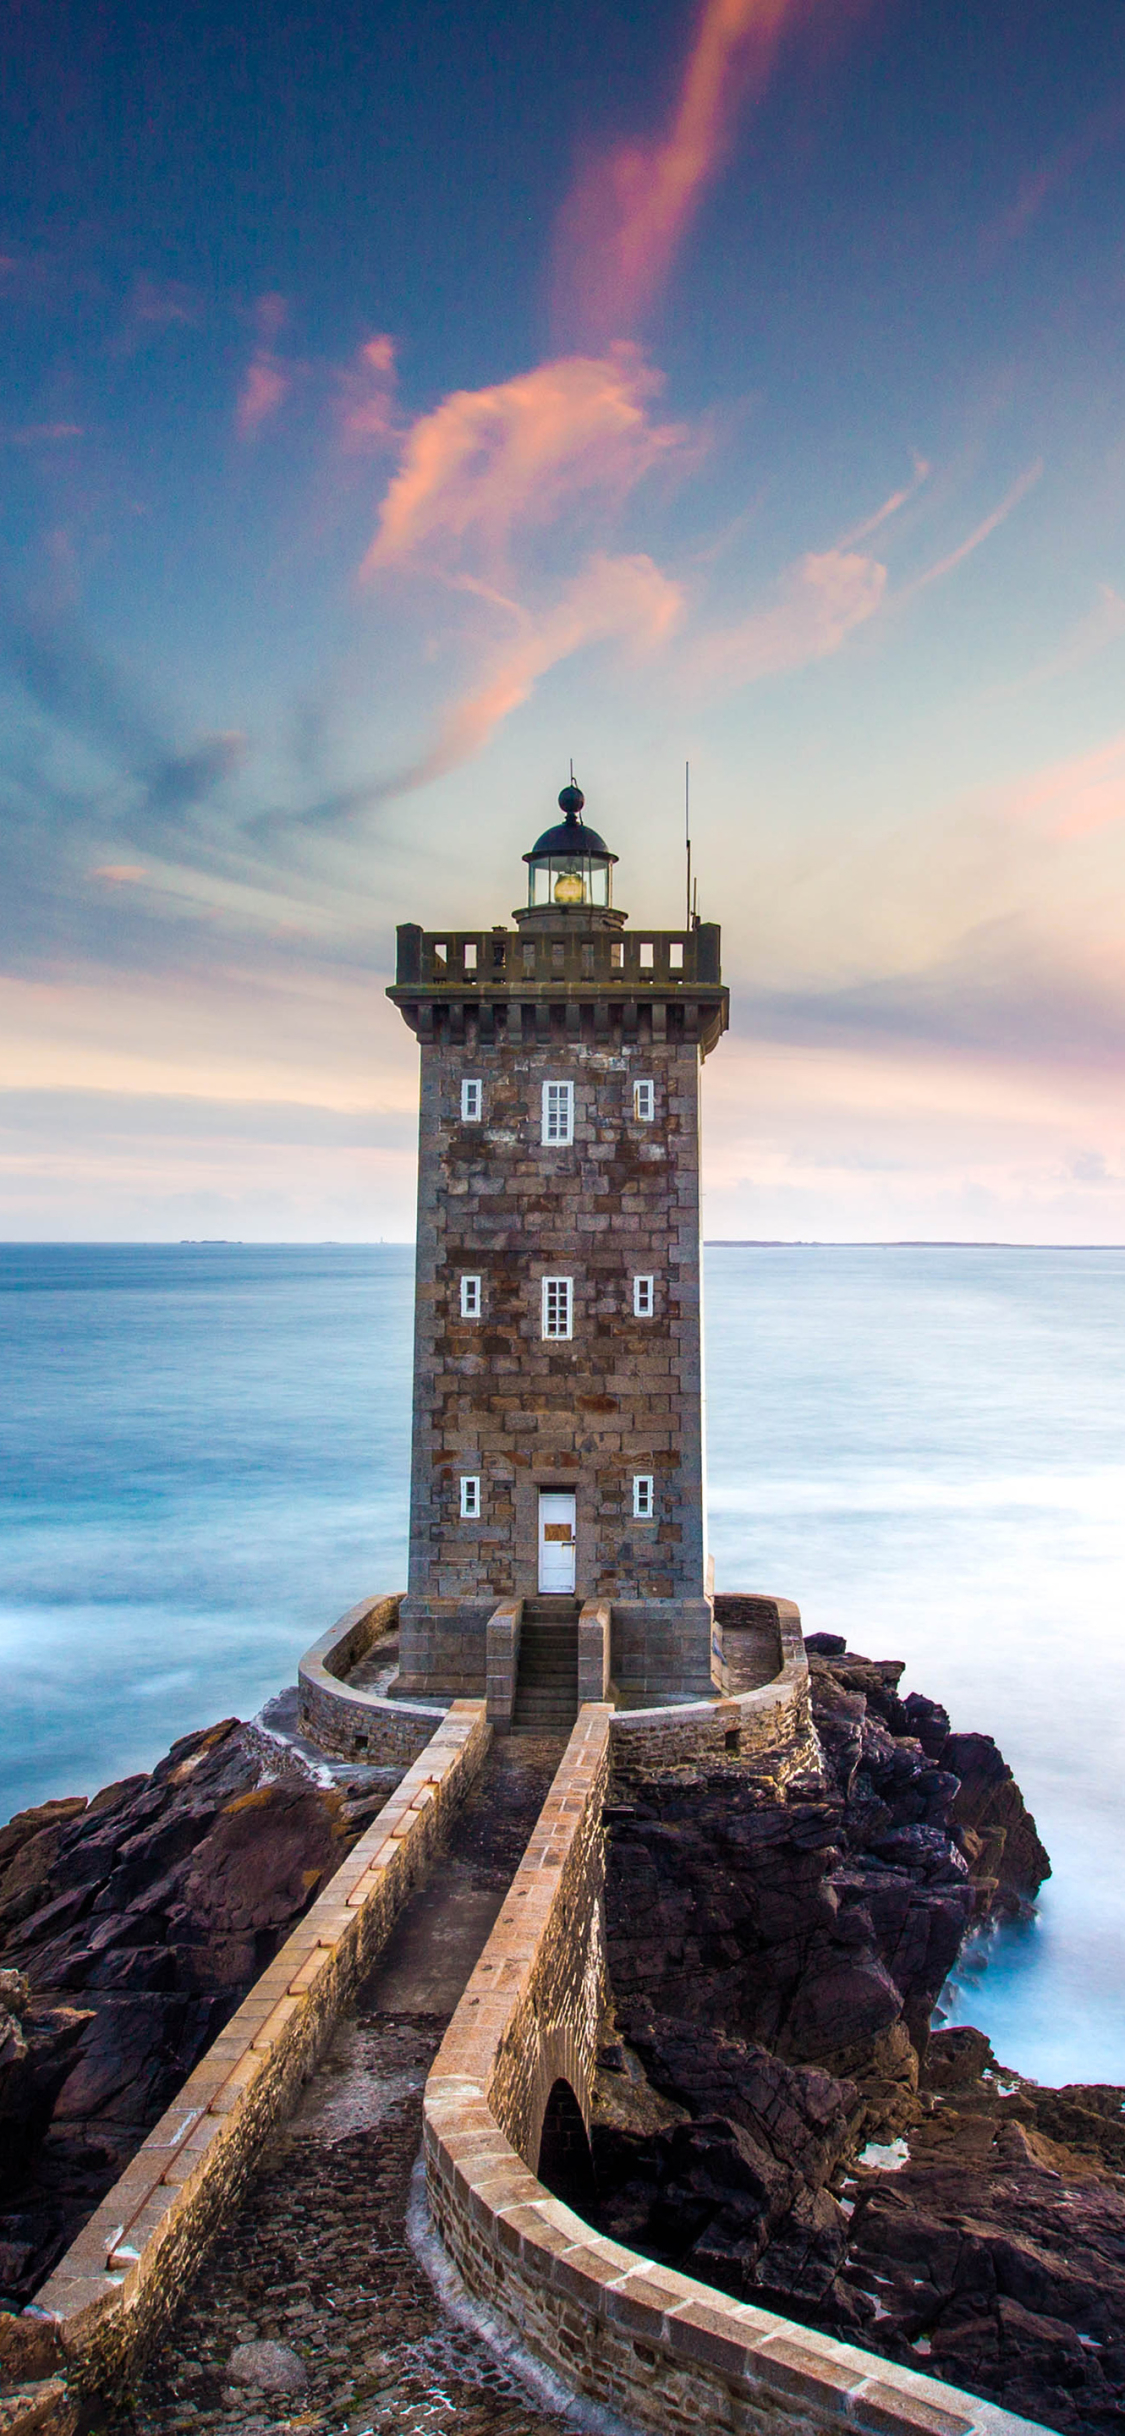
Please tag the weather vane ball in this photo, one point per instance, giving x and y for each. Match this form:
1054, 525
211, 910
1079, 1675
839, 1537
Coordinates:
571, 801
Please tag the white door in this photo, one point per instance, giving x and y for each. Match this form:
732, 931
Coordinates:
556, 1540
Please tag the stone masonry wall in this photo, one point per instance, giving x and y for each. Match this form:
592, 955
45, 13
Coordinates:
492, 1396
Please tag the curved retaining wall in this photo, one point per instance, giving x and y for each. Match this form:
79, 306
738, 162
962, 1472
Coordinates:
775, 1717
355, 1724
655, 2346
129, 2265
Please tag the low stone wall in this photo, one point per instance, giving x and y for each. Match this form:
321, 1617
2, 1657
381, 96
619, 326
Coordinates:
774, 1719
655, 2346
355, 1724
131, 2262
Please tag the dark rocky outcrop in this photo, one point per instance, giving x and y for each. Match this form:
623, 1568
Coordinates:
131, 1926
775, 1957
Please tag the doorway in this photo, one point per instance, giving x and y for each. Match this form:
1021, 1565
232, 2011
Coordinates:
557, 1511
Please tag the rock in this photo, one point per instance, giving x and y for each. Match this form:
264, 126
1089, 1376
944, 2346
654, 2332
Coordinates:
133, 1925
29, 2348
956, 2057
273, 2367
43, 2409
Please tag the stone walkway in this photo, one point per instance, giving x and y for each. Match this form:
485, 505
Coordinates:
317, 2257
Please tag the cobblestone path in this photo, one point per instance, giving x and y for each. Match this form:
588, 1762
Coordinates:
317, 2256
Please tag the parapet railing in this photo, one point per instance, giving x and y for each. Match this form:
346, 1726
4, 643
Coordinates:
656, 2347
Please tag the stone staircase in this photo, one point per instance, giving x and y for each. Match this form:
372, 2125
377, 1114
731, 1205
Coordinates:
547, 1682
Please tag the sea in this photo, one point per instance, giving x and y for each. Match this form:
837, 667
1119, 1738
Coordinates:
203, 1461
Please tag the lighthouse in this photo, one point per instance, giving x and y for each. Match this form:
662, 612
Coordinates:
557, 1455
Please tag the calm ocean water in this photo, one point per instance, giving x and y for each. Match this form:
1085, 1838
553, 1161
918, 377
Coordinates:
203, 1460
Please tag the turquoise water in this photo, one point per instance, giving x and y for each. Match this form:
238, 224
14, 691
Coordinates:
203, 1460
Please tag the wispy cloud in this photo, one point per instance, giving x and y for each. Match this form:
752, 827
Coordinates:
1102, 625
625, 600
954, 558
621, 227
366, 396
42, 435
489, 462
1071, 797
890, 507
266, 382
819, 602
1105, 125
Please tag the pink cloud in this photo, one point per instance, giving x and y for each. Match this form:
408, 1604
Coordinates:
38, 435
266, 384
890, 507
1103, 126
488, 461
367, 396
1070, 798
620, 229
820, 602
119, 872
624, 600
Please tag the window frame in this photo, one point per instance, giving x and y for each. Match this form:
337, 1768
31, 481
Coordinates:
472, 1100
470, 1496
644, 1101
644, 1294
472, 1286
563, 1111
644, 1497
562, 1290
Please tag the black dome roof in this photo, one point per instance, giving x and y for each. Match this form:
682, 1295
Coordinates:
570, 836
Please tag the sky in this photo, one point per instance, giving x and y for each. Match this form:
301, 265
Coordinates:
398, 402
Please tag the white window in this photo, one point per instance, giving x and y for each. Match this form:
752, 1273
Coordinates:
470, 1298
470, 955
644, 1297
644, 1102
676, 955
558, 1306
643, 1507
646, 955
558, 1114
470, 1497
472, 1103
440, 954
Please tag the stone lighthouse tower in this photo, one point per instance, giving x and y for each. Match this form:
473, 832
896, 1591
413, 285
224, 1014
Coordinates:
558, 1385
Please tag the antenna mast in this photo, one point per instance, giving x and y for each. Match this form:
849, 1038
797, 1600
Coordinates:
687, 836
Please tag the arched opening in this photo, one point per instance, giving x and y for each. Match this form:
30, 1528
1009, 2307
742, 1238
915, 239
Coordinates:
566, 2167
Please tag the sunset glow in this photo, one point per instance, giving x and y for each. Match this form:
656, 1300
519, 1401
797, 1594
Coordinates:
412, 410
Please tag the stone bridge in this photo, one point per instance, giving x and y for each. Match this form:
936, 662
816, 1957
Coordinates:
507, 2099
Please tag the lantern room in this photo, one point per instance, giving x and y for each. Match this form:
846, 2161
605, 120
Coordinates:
570, 865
